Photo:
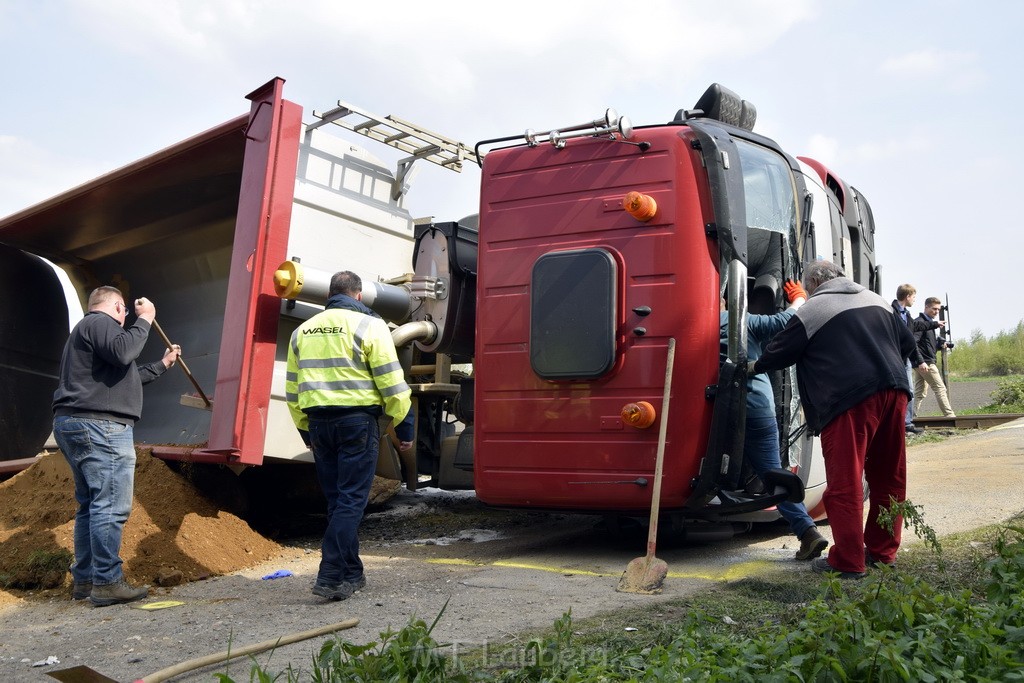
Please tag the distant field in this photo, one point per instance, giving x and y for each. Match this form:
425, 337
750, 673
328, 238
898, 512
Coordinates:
963, 396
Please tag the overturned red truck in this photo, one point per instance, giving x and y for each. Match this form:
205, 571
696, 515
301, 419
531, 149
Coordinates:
533, 334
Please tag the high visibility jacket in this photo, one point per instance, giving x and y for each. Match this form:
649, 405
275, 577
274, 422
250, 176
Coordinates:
344, 358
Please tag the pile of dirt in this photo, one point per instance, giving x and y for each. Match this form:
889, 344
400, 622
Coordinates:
172, 528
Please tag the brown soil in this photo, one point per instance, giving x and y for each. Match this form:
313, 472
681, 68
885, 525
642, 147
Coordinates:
172, 528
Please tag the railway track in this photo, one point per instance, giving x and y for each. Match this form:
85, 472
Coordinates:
966, 421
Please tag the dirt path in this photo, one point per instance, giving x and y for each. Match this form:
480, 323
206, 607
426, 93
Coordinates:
500, 573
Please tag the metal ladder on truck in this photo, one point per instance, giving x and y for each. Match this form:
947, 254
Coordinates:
418, 143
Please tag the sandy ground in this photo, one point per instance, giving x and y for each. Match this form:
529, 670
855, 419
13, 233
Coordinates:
499, 572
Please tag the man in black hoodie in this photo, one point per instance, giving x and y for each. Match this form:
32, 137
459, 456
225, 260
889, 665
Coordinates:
95, 407
850, 354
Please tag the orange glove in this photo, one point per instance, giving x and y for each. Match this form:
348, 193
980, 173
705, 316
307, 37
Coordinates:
794, 290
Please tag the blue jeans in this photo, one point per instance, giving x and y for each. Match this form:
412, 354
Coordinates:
761, 449
101, 454
345, 452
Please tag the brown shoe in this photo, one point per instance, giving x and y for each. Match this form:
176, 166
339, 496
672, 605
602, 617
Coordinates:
812, 544
81, 591
116, 593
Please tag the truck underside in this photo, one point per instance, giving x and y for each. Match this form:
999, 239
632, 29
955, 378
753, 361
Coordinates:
526, 334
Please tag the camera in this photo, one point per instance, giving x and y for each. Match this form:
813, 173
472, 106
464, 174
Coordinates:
941, 341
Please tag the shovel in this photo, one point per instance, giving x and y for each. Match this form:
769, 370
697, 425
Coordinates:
647, 574
188, 373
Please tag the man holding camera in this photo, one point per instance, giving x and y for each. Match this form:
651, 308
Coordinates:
927, 345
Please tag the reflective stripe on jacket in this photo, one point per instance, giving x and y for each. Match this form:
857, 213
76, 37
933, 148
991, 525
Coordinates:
344, 358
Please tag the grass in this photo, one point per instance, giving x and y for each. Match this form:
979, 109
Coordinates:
42, 569
956, 379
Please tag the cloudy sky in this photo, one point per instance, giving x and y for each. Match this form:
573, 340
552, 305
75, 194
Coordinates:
915, 103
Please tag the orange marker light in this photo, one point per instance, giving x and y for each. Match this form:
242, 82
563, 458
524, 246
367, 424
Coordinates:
639, 414
640, 206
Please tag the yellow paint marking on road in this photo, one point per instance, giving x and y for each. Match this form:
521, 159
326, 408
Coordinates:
731, 573
740, 570
515, 565
546, 568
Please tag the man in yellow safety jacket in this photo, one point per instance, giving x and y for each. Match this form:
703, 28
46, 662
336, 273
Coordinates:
343, 374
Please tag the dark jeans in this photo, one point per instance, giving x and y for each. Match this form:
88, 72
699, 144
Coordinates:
761, 450
345, 453
908, 419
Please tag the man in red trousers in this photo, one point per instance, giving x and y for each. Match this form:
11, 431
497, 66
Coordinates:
850, 353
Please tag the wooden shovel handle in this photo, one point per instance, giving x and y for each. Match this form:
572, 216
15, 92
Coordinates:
659, 460
181, 362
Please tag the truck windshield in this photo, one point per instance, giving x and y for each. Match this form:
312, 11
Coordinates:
768, 187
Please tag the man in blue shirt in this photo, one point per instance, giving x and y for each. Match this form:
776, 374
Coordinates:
761, 436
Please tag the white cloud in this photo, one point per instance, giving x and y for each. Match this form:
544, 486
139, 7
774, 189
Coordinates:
163, 31
453, 51
891, 148
825, 149
871, 150
958, 69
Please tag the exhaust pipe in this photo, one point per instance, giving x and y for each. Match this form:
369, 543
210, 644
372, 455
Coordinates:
294, 281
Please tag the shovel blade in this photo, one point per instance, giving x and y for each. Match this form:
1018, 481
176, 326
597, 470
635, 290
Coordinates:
644, 575
79, 674
195, 402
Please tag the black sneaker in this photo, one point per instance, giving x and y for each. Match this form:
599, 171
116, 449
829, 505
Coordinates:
821, 564
914, 429
340, 591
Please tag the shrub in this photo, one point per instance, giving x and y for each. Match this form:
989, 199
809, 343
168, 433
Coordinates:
1002, 355
1010, 392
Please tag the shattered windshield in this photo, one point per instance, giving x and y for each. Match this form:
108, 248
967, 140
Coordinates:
768, 187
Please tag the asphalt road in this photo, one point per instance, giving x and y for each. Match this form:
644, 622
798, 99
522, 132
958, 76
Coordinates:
493, 573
